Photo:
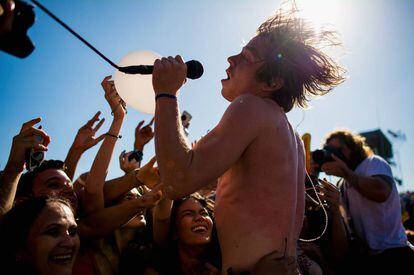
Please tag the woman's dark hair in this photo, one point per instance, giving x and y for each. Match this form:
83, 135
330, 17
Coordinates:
24, 188
14, 230
298, 58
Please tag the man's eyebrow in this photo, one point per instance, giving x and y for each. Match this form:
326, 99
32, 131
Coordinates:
253, 51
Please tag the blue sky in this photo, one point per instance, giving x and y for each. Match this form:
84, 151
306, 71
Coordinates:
60, 81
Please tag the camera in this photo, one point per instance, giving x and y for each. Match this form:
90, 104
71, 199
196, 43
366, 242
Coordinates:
34, 158
185, 119
17, 42
321, 156
137, 155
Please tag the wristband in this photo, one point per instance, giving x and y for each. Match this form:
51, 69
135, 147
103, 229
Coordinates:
165, 95
111, 135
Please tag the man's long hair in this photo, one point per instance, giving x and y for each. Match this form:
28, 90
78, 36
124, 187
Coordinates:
356, 144
298, 59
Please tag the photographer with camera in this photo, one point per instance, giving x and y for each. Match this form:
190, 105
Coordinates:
372, 202
25, 142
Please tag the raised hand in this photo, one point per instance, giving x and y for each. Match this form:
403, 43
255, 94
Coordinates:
117, 105
28, 138
85, 137
125, 164
169, 75
143, 135
150, 199
337, 167
330, 193
148, 174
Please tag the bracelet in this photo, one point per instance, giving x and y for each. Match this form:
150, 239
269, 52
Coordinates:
115, 136
165, 95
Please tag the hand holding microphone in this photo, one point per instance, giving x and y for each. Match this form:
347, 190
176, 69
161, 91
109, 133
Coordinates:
169, 75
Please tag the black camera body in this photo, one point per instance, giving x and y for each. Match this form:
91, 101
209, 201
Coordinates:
137, 155
17, 42
34, 158
185, 119
324, 155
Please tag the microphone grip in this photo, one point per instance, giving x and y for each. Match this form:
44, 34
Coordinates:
137, 69
194, 69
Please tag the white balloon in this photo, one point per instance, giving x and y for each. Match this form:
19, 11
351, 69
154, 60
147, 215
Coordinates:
136, 89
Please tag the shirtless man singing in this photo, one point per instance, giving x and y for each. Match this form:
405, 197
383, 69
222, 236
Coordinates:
253, 150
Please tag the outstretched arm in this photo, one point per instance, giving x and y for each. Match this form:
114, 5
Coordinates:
376, 188
94, 195
105, 221
26, 140
85, 139
186, 170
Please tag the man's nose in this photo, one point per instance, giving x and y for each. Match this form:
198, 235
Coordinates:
231, 59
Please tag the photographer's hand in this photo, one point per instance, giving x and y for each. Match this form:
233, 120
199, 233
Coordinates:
27, 139
336, 167
6, 17
125, 164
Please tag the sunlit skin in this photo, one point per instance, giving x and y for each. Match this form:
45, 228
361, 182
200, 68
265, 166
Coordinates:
254, 152
242, 70
53, 242
194, 224
288, 202
54, 182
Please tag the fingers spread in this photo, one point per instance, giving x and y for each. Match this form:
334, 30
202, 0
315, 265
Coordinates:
140, 125
99, 125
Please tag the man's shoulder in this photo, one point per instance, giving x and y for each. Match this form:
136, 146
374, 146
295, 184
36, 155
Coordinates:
374, 165
253, 107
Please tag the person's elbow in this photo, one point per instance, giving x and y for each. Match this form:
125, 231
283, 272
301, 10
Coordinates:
178, 187
382, 196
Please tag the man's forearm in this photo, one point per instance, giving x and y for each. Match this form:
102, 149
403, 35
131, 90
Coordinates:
172, 149
372, 188
8, 186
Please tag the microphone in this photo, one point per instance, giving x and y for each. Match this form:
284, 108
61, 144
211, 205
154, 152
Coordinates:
194, 69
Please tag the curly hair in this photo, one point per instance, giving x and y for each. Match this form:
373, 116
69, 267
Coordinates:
24, 188
298, 58
356, 144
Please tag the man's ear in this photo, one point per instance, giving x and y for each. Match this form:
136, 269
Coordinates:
273, 85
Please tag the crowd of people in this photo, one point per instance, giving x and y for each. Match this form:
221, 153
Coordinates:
244, 199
